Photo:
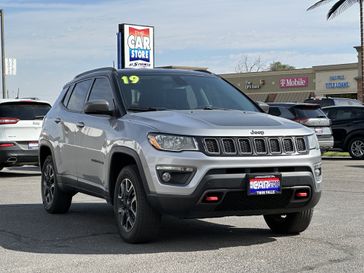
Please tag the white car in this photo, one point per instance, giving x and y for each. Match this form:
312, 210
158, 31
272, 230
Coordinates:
20, 125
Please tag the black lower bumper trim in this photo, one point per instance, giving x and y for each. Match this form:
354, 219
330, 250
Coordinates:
17, 157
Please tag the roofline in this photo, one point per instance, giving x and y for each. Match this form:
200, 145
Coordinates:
101, 69
272, 73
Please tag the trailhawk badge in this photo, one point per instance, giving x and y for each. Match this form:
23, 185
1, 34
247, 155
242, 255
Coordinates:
253, 132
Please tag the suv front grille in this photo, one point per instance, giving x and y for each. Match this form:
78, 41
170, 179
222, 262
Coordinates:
255, 146
211, 146
288, 145
229, 146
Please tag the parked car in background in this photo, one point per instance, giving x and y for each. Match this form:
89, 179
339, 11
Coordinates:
309, 115
348, 128
324, 102
20, 124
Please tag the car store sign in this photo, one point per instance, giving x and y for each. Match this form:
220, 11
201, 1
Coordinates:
135, 46
295, 82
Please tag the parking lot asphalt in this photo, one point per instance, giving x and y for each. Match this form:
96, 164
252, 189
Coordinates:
86, 239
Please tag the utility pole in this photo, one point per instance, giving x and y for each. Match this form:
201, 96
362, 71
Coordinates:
3, 54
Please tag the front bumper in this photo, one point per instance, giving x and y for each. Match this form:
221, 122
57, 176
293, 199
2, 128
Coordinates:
232, 188
15, 156
228, 177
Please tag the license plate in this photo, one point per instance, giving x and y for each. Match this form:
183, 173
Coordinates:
33, 145
264, 184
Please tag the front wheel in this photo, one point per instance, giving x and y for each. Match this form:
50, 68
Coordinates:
54, 199
290, 223
356, 148
137, 221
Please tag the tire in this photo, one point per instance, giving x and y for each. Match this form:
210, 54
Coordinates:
55, 200
356, 148
291, 223
136, 220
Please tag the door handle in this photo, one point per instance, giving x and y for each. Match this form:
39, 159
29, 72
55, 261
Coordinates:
57, 120
80, 124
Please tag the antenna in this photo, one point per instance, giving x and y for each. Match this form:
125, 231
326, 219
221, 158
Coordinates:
18, 94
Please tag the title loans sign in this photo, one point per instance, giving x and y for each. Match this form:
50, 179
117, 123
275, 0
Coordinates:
137, 46
293, 82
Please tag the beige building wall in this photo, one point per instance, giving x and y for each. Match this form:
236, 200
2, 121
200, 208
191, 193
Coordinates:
336, 79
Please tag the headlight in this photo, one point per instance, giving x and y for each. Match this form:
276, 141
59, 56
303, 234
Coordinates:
313, 142
172, 143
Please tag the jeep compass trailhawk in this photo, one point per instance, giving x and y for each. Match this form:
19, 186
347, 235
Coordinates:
176, 142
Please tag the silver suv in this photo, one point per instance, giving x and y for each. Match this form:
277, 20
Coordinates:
183, 143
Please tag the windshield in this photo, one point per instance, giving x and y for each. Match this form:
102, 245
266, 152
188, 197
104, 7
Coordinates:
24, 110
146, 92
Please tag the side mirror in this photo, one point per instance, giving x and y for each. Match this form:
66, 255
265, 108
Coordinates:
264, 106
98, 107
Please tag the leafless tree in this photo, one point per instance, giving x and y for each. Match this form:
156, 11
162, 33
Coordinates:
248, 64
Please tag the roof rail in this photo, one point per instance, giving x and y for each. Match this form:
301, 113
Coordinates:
109, 69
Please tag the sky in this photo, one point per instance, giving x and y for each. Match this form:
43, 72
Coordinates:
55, 40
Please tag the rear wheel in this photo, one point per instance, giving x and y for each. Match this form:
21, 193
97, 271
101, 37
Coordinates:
291, 223
356, 148
137, 221
54, 199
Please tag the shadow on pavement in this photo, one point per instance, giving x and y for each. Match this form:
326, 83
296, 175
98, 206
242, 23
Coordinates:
20, 171
89, 228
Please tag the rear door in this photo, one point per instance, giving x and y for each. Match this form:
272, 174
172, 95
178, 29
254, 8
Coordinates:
69, 150
21, 122
342, 124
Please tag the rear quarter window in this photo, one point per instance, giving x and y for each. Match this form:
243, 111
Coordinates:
309, 112
24, 110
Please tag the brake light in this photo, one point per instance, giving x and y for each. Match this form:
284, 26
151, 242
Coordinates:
5, 121
6, 145
301, 120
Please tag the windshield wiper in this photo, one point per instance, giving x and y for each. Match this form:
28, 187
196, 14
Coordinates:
146, 109
210, 107
39, 117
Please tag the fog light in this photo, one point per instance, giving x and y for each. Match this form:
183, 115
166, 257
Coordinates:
175, 174
318, 172
166, 177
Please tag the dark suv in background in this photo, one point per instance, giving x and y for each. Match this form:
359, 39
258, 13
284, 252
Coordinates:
324, 102
348, 128
309, 115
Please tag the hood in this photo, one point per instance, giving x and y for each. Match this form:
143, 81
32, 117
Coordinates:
218, 123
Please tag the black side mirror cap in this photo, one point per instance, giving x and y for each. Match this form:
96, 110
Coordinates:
98, 107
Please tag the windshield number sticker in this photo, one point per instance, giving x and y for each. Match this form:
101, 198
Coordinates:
130, 80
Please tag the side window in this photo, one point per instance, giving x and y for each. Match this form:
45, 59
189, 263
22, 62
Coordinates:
67, 96
343, 114
274, 111
101, 90
286, 113
331, 114
78, 96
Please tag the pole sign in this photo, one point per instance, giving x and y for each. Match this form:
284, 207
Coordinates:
135, 46
10, 66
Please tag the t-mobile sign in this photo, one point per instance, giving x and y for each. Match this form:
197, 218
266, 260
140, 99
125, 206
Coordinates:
295, 82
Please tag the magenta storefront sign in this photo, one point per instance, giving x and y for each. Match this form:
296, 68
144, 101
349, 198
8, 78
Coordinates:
295, 82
